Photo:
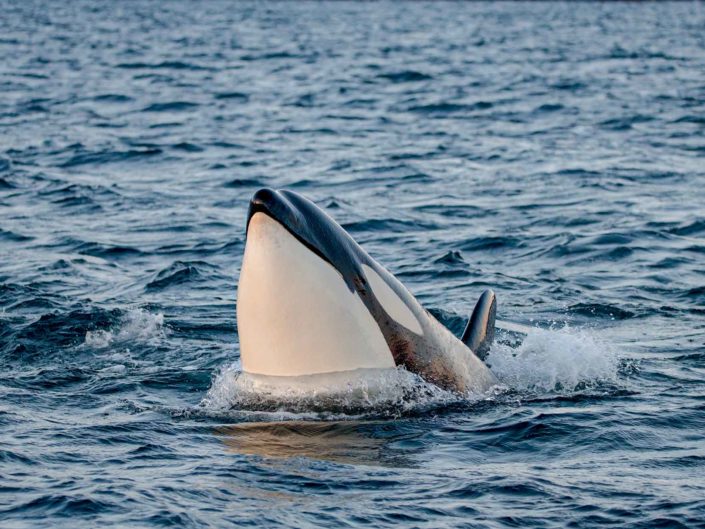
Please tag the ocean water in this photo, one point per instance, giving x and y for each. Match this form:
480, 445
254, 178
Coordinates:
553, 152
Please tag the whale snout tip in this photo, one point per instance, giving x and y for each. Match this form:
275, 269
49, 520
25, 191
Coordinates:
263, 197
265, 200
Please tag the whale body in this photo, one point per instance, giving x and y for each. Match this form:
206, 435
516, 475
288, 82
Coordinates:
312, 301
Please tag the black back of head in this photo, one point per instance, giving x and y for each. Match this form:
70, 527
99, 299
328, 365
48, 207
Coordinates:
313, 228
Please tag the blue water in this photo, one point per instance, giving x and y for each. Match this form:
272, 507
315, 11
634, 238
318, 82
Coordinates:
554, 152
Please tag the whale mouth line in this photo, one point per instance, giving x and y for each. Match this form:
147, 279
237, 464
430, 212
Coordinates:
291, 232
266, 205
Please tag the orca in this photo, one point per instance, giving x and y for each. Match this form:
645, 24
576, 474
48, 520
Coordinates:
312, 301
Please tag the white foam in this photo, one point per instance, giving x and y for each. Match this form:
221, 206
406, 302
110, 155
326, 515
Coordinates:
548, 361
135, 326
359, 391
555, 360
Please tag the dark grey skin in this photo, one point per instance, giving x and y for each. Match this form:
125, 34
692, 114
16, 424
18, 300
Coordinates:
437, 355
479, 332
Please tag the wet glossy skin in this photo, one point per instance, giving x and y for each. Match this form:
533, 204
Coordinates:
414, 337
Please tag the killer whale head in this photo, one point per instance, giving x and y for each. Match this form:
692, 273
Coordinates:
312, 301
312, 227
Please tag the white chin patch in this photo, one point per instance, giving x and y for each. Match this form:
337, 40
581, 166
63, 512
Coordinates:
392, 304
296, 315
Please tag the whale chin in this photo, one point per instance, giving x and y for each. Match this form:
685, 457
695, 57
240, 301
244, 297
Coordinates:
296, 315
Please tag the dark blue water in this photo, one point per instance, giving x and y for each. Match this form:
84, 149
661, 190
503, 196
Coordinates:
554, 152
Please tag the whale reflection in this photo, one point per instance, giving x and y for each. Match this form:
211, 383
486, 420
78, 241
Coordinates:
372, 443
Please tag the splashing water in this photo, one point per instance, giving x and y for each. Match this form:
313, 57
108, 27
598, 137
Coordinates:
136, 325
563, 361
555, 360
388, 392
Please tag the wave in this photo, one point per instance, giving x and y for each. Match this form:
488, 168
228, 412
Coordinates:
691, 228
5, 165
243, 182
136, 325
106, 251
112, 98
63, 505
406, 76
108, 156
450, 108
240, 96
180, 272
7, 235
492, 243
172, 106
601, 310
164, 65
387, 225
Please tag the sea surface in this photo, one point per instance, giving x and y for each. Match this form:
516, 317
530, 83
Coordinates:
554, 152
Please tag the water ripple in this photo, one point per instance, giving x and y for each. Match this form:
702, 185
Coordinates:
550, 151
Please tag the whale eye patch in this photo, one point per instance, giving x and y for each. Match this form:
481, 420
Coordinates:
392, 304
